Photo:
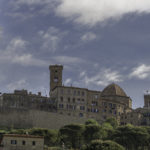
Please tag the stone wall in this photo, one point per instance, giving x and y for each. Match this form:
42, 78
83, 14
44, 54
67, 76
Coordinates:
34, 118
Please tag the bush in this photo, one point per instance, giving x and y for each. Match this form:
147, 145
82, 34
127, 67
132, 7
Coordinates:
103, 145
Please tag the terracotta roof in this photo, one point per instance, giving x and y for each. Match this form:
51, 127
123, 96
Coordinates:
22, 136
113, 90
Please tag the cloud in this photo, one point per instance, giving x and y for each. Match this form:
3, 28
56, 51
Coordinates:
89, 36
104, 77
140, 72
14, 53
91, 12
68, 81
21, 84
51, 38
68, 60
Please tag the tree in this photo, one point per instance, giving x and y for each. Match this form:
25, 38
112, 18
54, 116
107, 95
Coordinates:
103, 145
113, 122
91, 121
132, 138
92, 132
71, 135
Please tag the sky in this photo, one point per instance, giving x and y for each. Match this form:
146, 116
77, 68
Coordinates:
98, 42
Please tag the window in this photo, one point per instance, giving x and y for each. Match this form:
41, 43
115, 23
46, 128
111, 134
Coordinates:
61, 91
79, 93
104, 110
110, 105
23, 142
114, 105
73, 107
78, 100
68, 99
61, 99
104, 103
94, 103
61, 106
96, 96
69, 91
13, 142
55, 79
83, 100
82, 108
33, 143
81, 115
73, 100
74, 93
82, 93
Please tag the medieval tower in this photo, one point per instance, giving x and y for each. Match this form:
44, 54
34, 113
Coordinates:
55, 76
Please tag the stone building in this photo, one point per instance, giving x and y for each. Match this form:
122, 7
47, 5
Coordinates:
21, 142
139, 116
82, 102
21, 99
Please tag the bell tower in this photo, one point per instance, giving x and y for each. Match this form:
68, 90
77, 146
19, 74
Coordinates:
55, 76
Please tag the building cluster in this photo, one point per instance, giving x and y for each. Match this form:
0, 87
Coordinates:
80, 102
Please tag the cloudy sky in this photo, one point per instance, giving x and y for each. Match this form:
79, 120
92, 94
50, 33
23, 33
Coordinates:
98, 42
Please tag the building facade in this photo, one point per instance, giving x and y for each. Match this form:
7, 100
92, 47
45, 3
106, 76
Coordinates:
21, 142
82, 102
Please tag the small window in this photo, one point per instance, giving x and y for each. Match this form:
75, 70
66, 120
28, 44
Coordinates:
33, 142
61, 99
74, 93
73, 100
13, 142
55, 79
82, 108
82, 93
81, 115
68, 99
23, 142
79, 93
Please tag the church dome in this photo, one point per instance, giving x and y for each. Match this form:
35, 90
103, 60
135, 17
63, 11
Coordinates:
113, 90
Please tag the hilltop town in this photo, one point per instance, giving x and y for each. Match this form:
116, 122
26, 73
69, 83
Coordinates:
65, 105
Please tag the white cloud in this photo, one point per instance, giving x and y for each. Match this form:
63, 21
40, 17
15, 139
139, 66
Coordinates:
68, 81
91, 12
51, 38
89, 36
104, 77
68, 60
14, 53
82, 74
21, 84
140, 72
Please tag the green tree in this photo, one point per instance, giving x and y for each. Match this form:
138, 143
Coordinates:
132, 138
91, 121
113, 122
103, 145
71, 135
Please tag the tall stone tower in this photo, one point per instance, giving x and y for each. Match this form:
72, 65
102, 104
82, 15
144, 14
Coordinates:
147, 100
55, 76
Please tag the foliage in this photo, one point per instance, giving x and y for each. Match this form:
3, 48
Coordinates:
131, 137
113, 122
91, 121
103, 145
71, 135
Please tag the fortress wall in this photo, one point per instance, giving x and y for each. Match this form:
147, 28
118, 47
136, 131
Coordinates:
34, 118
